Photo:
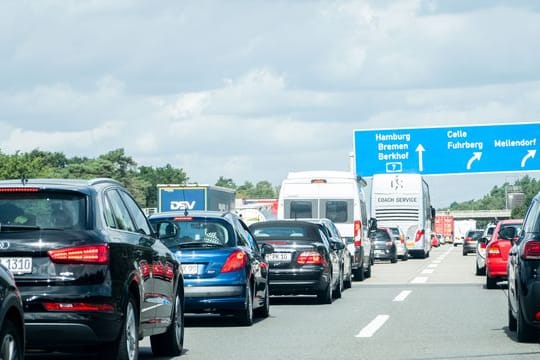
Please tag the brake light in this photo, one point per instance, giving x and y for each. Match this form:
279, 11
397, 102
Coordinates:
468, 239
183, 218
88, 254
357, 233
236, 261
419, 235
18, 190
310, 258
531, 251
52, 306
493, 251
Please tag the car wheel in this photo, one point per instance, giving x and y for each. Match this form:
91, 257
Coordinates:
339, 287
512, 322
491, 283
359, 274
11, 347
393, 260
245, 316
405, 257
347, 283
171, 342
325, 296
264, 311
367, 273
126, 347
524, 332
480, 271
464, 253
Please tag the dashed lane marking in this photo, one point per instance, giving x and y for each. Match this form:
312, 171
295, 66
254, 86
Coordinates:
402, 295
370, 329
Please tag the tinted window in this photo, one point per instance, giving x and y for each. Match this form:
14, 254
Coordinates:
138, 216
280, 231
380, 235
44, 209
301, 209
122, 219
336, 211
532, 221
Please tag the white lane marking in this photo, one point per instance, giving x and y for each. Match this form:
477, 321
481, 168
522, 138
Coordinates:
373, 326
402, 295
419, 280
432, 265
428, 271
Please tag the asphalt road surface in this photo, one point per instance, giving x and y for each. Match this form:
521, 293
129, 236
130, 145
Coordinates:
434, 308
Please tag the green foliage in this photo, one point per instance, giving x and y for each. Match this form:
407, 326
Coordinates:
496, 200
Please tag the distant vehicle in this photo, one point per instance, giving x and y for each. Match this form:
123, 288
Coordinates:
335, 195
444, 225
523, 280
399, 239
12, 333
458, 240
345, 257
441, 238
481, 245
225, 270
470, 241
254, 213
435, 241
403, 200
460, 230
304, 261
384, 245
190, 197
90, 269
497, 251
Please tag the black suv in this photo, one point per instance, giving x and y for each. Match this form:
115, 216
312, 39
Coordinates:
90, 268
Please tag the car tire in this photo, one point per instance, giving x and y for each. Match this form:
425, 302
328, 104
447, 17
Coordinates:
464, 253
325, 296
245, 316
171, 343
394, 259
405, 257
359, 274
512, 321
347, 283
126, 347
524, 332
491, 283
367, 274
480, 271
264, 311
11, 346
339, 288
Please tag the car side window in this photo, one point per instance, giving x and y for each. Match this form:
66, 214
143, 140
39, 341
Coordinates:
119, 211
108, 212
532, 220
138, 215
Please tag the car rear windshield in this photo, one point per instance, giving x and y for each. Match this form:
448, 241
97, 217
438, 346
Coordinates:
284, 232
379, 235
43, 210
194, 232
475, 235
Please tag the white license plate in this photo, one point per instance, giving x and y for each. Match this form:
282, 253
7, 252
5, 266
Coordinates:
190, 269
279, 257
18, 265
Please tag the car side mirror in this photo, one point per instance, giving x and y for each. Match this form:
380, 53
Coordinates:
372, 224
266, 249
337, 245
483, 240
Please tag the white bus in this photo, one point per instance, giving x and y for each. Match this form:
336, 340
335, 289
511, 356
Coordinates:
338, 196
403, 200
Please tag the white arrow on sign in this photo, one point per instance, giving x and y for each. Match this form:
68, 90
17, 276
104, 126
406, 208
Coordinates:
420, 149
476, 156
530, 154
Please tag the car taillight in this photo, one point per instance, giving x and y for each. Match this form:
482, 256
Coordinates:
310, 258
388, 243
87, 254
78, 306
483, 245
419, 235
531, 251
493, 251
236, 261
468, 239
357, 233
18, 190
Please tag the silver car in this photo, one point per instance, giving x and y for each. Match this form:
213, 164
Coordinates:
401, 246
481, 246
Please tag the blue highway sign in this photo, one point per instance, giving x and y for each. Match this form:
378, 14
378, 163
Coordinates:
448, 150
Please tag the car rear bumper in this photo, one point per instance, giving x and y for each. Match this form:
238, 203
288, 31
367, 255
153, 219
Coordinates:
469, 248
48, 330
496, 269
529, 302
285, 282
384, 254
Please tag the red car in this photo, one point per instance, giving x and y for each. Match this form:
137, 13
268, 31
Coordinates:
497, 251
435, 240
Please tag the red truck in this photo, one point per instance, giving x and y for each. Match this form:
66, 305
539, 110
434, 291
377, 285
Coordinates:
444, 225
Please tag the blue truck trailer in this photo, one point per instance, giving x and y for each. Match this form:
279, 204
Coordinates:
173, 197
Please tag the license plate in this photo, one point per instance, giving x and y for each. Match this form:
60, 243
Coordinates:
190, 269
410, 244
18, 265
279, 257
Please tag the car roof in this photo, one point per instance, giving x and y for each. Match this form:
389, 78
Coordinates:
194, 213
48, 183
285, 222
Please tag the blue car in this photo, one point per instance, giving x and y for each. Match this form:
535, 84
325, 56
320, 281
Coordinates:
225, 271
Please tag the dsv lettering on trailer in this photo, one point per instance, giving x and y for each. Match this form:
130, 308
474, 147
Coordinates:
182, 205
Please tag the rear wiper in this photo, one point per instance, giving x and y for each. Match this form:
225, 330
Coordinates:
197, 244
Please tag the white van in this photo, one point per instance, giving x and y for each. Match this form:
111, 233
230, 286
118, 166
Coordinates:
338, 196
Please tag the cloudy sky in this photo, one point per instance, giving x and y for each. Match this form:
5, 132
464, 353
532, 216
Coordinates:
251, 90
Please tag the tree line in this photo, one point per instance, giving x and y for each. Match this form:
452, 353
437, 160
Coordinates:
141, 181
